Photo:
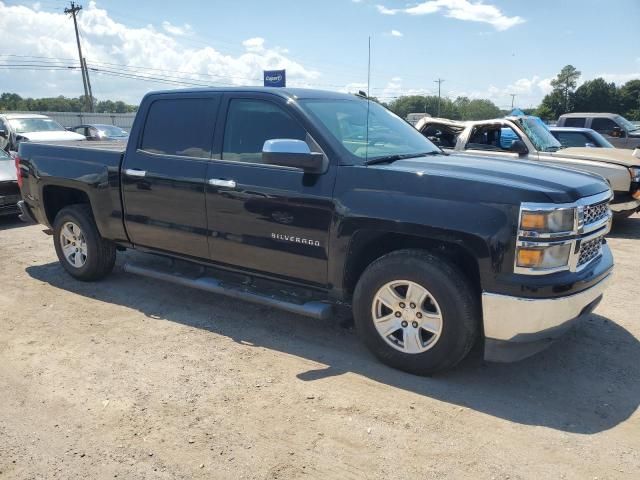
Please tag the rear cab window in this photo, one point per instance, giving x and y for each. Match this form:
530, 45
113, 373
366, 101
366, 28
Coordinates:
574, 122
180, 127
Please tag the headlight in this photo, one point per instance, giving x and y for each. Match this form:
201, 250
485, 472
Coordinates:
545, 232
550, 221
635, 174
543, 258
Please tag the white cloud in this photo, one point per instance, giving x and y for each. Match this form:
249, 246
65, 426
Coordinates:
255, 44
396, 33
165, 48
619, 78
387, 11
466, 10
177, 30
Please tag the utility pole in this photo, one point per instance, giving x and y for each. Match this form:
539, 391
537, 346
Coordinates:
73, 10
439, 82
513, 97
86, 72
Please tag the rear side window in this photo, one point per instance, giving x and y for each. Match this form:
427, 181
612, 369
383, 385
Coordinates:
250, 123
574, 122
603, 125
180, 126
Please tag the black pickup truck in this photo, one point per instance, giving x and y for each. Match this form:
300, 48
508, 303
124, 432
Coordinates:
308, 200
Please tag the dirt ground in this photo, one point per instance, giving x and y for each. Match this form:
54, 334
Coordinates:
133, 378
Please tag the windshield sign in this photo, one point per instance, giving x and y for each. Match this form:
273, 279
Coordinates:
26, 125
385, 134
539, 134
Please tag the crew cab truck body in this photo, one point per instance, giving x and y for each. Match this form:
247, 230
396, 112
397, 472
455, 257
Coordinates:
305, 200
615, 128
526, 137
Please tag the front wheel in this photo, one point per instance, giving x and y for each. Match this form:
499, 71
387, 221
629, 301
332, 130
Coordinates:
83, 253
416, 312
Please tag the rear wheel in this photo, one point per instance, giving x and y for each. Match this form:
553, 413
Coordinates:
83, 253
416, 312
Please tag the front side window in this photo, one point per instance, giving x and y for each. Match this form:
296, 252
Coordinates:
252, 122
180, 126
603, 125
492, 137
384, 134
27, 125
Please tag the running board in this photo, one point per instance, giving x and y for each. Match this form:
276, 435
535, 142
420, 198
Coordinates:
315, 309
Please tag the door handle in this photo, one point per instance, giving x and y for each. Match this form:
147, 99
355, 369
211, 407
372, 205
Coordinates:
135, 173
219, 182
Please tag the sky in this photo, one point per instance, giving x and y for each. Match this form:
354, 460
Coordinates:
481, 49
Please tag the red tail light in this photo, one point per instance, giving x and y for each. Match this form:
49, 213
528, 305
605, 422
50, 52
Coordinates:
18, 171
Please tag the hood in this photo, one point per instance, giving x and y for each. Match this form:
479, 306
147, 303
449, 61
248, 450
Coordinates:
7, 170
510, 181
51, 136
617, 156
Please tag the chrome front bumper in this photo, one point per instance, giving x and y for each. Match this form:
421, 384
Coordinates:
515, 327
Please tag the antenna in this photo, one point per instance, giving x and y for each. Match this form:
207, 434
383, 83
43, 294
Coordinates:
513, 97
366, 135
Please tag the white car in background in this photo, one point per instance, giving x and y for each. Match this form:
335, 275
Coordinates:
31, 127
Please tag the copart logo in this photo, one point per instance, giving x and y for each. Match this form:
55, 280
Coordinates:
289, 238
273, 78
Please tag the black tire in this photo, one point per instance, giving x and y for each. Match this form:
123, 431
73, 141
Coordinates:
458, 305
100, 253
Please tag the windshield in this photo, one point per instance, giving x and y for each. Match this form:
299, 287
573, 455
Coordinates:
26, 125
539, 134
626, 124
111, 131
387, 135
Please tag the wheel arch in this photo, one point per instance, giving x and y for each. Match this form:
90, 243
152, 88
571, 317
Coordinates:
367, 246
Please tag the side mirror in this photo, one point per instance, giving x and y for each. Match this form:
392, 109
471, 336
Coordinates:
518, 146
617, 132
293, 153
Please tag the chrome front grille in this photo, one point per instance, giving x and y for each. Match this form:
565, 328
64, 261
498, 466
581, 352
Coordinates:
594, 213
589, 250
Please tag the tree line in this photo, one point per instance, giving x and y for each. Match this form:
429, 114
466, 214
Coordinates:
462, 108
595, 95
14, 102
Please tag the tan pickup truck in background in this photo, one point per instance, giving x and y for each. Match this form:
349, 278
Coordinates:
528, 138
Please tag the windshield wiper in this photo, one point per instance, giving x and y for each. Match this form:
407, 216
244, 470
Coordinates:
552, 149
393, 158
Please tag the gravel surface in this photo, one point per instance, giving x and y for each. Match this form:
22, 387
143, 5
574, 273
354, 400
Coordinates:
134, 378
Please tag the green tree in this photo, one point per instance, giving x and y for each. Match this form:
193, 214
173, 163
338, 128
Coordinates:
476, 109
629, 95
597, 96
419, 103
565, 83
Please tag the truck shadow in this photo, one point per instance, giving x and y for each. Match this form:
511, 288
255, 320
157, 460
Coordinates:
11, 221
628, 228
587, 382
